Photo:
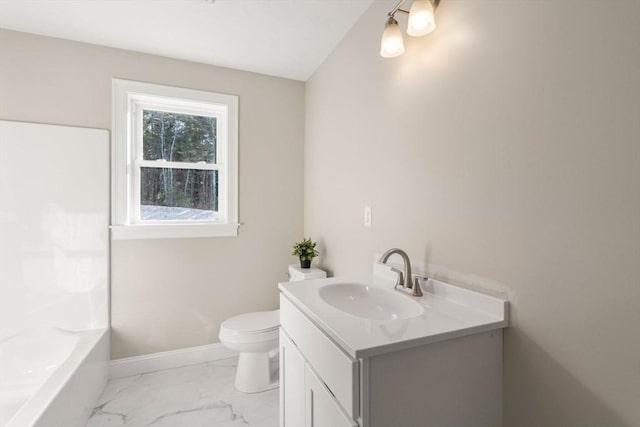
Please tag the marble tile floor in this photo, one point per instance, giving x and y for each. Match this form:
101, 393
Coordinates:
200, 395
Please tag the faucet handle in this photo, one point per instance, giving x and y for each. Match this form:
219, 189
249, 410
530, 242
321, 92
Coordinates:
417, 292
400, 281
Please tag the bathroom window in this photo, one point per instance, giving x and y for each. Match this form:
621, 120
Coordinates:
174, 162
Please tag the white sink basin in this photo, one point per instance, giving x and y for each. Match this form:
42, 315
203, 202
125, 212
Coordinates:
369, 302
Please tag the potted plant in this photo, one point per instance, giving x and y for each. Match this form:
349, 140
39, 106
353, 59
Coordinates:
306, 251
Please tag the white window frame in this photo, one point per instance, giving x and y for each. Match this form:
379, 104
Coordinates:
129, 99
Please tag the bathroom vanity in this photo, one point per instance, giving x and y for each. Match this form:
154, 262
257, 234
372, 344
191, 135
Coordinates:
366, 355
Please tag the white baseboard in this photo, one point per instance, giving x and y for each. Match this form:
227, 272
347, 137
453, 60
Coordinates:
168, 359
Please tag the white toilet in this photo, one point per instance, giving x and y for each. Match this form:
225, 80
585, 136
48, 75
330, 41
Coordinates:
255, 337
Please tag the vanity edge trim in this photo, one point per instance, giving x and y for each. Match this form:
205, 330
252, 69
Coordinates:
432, 339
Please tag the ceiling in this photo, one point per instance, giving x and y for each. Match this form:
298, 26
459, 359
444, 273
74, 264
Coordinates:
286, 38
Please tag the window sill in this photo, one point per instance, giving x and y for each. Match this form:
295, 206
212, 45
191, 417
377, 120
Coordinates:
172, 231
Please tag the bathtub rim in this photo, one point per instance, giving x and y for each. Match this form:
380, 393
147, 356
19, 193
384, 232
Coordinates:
34, 408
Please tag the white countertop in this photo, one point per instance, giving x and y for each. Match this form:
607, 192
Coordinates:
449, 312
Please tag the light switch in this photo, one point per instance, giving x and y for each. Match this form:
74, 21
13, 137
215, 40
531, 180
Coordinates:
367, 216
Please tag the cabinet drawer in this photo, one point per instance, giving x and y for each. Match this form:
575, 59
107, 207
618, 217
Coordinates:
338, 371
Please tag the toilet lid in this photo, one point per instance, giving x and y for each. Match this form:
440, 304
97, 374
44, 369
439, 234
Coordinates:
258, 321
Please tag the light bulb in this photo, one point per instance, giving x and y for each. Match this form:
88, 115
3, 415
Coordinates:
391, 44
421, 18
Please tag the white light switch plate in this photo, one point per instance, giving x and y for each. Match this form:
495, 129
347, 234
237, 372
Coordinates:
367, 216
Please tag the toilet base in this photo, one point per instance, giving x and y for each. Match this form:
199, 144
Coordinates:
255, 373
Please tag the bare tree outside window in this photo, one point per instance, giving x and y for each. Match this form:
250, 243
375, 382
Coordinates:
172, 193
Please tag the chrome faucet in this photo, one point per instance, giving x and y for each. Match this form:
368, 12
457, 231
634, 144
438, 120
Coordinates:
405, 281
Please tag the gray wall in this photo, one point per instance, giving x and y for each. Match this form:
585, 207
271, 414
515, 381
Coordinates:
502, 152
169, 294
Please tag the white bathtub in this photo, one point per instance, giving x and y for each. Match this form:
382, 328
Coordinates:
50, 377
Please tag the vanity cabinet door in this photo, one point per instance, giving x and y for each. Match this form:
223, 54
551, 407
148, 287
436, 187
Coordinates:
292, 366
321, 407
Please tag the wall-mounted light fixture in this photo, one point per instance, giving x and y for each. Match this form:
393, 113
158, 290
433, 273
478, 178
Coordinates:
421, 22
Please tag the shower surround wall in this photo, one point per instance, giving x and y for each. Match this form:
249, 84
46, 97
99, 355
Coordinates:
54, 219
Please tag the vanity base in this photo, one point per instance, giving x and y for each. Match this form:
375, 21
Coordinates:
453, 383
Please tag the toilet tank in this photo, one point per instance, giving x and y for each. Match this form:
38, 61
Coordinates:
297, 274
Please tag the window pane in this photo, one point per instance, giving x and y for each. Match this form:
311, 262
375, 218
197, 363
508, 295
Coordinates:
178, 194
178, 137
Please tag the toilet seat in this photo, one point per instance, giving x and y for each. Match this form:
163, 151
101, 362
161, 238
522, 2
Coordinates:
250, 323
254, 327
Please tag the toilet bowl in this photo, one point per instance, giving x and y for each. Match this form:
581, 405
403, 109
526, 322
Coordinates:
255, 337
